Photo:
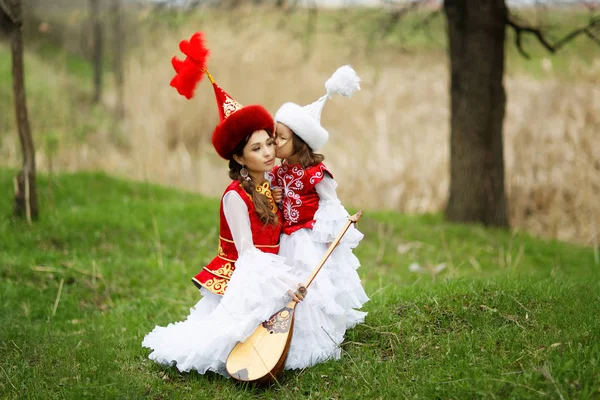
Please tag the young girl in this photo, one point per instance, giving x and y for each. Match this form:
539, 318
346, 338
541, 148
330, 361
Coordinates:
247, 281
313, 217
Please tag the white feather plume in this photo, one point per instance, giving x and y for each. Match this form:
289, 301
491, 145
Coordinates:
344, 82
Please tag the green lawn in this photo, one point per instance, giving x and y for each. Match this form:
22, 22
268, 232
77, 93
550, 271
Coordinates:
509, 317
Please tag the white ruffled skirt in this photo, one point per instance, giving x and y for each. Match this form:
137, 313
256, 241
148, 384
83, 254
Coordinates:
257, 289
334, 297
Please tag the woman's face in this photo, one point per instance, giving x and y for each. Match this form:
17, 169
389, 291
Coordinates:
259, 152
284, 141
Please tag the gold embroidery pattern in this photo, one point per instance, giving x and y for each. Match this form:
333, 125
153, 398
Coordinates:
265, 189
220, 251
230, 106
216, 285
224, 272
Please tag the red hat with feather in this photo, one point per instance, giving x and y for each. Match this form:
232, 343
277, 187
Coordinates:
236, 121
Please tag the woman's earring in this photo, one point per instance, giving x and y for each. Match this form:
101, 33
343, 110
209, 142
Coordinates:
244, 173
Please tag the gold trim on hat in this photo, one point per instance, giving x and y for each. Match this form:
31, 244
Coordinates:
230, 106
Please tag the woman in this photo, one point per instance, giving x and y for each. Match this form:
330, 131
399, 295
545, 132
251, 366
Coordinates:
247, 281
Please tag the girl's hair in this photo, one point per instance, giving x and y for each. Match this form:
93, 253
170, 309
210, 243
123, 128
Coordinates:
262, 205
306, 157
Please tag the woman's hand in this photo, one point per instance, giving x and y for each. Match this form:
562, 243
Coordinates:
277, 194
299, 294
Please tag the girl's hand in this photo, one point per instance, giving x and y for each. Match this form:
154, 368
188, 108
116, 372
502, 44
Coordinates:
299, 294
277, 194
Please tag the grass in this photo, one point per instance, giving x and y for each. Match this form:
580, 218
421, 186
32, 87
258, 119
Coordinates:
510, 316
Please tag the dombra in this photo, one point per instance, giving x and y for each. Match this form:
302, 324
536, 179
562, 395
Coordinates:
261, 358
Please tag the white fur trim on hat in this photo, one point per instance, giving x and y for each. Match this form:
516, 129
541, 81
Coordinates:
306, 121
299, 120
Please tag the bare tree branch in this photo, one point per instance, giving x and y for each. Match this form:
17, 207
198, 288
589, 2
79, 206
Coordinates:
396, 14
520, 28
426, 22
6, 11
593, 37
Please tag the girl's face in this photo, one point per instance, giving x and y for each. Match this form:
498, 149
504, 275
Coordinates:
259, 152
284, 142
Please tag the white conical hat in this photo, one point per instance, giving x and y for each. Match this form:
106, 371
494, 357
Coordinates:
306, 121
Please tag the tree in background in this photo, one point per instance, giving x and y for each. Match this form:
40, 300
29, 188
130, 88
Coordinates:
118, 45
11, 22
97, 47
476, 37
476, 32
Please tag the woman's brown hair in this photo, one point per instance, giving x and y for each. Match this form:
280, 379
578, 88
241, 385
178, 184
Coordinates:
306, 157
262, 205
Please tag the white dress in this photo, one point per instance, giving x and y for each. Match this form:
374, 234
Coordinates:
333, 299
257, 289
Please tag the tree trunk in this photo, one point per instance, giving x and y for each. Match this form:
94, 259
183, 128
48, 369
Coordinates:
25, 183
97, 48
118, 42
6, 23
476, 31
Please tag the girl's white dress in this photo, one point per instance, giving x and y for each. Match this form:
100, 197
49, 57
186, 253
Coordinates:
335, 296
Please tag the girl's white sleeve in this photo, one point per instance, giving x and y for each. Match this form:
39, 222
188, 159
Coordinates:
331, 216
260, 280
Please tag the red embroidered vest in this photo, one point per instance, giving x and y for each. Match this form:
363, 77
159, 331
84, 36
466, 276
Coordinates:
215, 276
300, 198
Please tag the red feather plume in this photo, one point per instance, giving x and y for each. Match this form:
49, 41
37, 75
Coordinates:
191, 70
